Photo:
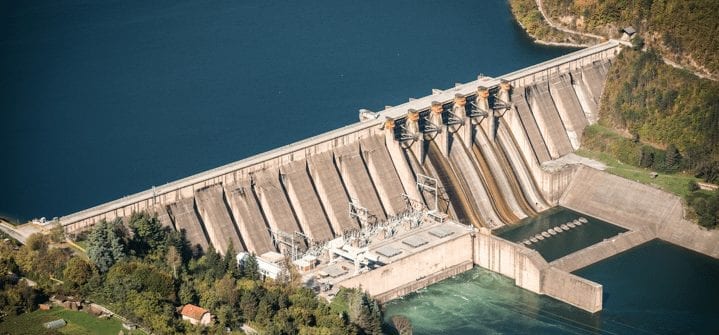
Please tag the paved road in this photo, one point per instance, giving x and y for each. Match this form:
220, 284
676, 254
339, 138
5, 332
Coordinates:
20, 233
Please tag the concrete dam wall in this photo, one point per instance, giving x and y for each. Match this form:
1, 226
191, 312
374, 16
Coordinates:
475, 151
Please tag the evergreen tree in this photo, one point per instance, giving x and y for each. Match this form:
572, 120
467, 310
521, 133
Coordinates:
673, 157
214, 263
230, 262
105, 246
250, 268
148, 234
646, 159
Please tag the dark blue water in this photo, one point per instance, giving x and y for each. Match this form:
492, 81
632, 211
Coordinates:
100, 99
565, 243
656, 288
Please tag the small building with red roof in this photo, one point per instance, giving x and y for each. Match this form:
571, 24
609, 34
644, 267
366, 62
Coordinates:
196, 315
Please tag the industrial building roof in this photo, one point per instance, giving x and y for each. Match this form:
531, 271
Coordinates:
388, 251
414, 241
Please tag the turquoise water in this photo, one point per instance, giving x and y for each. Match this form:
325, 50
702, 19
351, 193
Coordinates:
656, 288
565, 243
100, 99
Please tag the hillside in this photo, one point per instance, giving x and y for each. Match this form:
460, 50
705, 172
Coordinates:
663, 119
684, 31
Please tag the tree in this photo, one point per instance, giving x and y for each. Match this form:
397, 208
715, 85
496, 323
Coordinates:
249, 267
402, 324
37, 242
230, 262
105, 246
77, 273
174, 260
692, 186
646, 159
148, 233
673, 158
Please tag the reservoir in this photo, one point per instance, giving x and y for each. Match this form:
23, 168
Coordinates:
103, 99
656, 288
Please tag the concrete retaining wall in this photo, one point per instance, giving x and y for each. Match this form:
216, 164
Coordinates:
574, 290
637, 207
530, 271
691, 236
417, 270
603, 250
621, 201
424, 282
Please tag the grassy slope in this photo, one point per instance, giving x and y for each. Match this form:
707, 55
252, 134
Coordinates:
671, 182
77, 323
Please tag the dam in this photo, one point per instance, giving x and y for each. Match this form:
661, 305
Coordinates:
482, 154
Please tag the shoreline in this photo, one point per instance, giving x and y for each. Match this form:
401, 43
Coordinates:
540, 41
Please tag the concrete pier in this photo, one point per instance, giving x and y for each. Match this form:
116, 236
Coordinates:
468, 173
383, 173
163, 217
219, 225
248, 216
357, 180
593, 80
548, 121
275, 205
331, 192
569, 108
305, 202
184, 216
508, 147
460, 207
401, 163
529, 124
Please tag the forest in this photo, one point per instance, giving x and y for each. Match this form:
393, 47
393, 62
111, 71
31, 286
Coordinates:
685, 31
144, 271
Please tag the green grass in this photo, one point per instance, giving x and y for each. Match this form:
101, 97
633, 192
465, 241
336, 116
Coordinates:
674, 183
77, 323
